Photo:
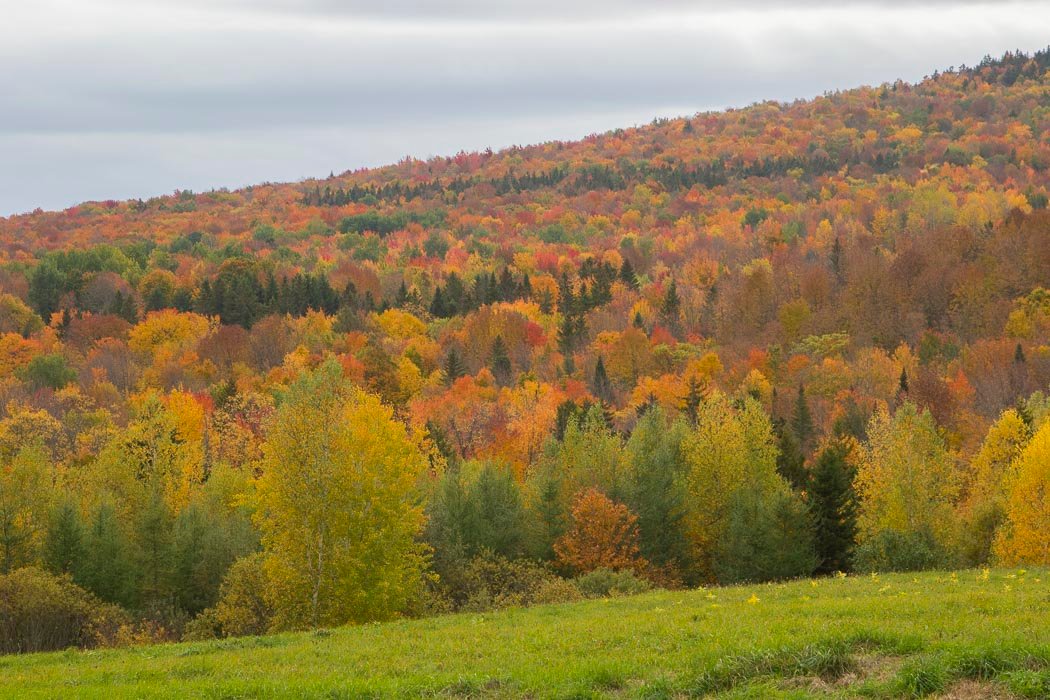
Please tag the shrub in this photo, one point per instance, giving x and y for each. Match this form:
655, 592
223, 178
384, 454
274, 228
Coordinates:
242, 608
891, 550
557, 590
490, 581
605, 583
43, 612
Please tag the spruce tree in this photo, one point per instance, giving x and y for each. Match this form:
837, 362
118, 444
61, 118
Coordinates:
154, 527
693, 398
107, 570
627, 274
834, 503
791, 462
654, 492
672, 304
64, 540
802, 421
601, 386
500, 363
454, 367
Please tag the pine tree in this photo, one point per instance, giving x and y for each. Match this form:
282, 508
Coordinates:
454, 367
835, 258
567, 335
1019, 357
791, 462
153, 531
802, 421
438, 307
500, 363
601, 386
107, 571
693, 398
834, 504
655, 492
64, 540
671, 307
627, 274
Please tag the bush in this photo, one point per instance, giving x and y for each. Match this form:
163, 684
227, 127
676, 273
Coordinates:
605, 583
557, 590
43, 612
490, 581
892, 550
242, 608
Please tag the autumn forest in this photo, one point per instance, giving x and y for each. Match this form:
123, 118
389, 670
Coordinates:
783, 341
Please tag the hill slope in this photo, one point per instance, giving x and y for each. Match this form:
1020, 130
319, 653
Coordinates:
882, 636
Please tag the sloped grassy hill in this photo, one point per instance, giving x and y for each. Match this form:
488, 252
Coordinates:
971, 634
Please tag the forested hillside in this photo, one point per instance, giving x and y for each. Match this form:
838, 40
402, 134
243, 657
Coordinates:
740, 346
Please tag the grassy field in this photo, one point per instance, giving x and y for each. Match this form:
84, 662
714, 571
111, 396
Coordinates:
970, 634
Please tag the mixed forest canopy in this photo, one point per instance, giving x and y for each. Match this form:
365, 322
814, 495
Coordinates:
749, 345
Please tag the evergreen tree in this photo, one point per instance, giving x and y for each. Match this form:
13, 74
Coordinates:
454, 367
627, 274
671, 307
499, 361
499, 516
791, 462
601, 386
438, 306
549, 517
107, 570
155, 553
802, 421
64, 540
834, 504
768, 537
567, 335
693, 398
655, 492
835, 258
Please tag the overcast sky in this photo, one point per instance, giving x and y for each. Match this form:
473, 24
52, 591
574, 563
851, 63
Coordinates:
105, 99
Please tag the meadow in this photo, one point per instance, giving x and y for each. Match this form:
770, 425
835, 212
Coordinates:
968, 634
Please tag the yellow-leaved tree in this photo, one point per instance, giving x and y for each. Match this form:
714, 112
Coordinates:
730, 447
26, 485
991, 473
1025, 536
338, 506
906, 480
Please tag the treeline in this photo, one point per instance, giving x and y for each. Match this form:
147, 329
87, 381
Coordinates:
318, 507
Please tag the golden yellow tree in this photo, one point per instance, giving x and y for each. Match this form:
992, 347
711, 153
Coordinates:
906, 478
991, 472
26, 485
338, 505
1025, 536
729, 448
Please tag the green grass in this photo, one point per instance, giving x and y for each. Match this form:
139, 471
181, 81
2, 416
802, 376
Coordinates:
886, 636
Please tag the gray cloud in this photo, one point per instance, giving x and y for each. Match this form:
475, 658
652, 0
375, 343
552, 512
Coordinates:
105, 99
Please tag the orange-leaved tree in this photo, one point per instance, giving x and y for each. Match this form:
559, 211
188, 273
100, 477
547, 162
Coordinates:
603, 535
